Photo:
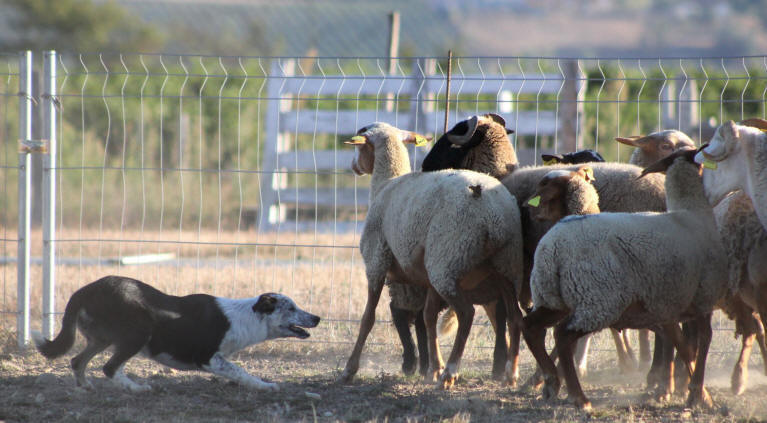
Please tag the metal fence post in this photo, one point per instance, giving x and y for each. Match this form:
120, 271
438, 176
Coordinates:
25, 197
49, 192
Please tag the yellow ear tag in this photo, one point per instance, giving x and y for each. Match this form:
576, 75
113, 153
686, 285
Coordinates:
708, 164
550, 162
420, 141
535, 201
590, 175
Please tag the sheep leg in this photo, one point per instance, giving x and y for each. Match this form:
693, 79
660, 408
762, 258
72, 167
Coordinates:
762, 346
375, 286
496, 313
626, 360
747, 325
430, 313
761, 302
423, 344
681, 376
660, 380
401, 319
513, 316
464, 310
565, 340
581, 355
644, 347
686, 352
698, 394
534, 331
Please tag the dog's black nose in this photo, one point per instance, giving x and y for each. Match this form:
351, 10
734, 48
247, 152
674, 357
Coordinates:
316, 320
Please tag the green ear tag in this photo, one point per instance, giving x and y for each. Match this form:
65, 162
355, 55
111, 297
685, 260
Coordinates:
535, 201
420, 141
708, 164
550, 162
358, 138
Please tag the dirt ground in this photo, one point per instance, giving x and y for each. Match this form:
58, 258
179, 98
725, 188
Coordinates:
35, 390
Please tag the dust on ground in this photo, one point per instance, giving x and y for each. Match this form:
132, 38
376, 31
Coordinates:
33, 389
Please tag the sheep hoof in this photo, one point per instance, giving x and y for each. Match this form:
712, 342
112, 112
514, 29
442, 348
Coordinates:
408, 366
699, 397
346, 376
432, 376
512, 375
583, 404
738, 381
447, 380
534, 383
550, 389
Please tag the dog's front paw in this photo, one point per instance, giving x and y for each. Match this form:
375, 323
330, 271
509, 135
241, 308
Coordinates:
266, 386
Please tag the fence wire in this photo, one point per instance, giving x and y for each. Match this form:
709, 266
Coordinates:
225, 174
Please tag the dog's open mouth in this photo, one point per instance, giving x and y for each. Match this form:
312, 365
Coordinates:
299, 331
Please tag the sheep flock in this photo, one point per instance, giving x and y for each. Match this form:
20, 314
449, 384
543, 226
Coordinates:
578, 245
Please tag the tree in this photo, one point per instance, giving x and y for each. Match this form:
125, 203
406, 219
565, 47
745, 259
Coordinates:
78, 25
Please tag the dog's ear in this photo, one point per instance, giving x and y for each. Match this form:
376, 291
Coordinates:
265, 304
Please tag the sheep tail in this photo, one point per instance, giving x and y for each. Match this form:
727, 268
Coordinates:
476, 190
448, 323
66, 338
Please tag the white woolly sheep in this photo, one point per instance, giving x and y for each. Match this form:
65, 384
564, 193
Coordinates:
563, 193
405, 236
736, 158
481, 144
746, 243
630, 270
651, 148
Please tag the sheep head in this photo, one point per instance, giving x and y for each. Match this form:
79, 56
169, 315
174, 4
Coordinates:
378, 136
563, 192
661, 166
479, 143
576, 157
657, 145
729, 156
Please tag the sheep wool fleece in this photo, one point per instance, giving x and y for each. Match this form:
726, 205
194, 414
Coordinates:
404, 213
597, 266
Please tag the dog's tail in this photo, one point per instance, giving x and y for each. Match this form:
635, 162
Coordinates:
66, 338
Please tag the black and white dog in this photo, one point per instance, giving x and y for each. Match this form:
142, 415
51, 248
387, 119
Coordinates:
195, 332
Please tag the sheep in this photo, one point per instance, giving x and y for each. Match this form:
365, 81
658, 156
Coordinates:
635, 270
576, 157
405, 237
746, 242
651, 148
481, 144
407, 303
736, 158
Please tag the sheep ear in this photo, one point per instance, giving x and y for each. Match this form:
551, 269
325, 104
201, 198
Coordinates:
463, 131
588, 173
730, 130
756, 123
413, 138
497, 119
356, 140
634, 140
551, 159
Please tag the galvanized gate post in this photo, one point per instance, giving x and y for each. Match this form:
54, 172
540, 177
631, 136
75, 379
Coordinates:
25, 196
50, 105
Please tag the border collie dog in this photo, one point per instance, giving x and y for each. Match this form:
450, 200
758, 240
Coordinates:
195, 332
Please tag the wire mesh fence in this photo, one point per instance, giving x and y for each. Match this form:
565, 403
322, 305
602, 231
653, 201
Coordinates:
226, 175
